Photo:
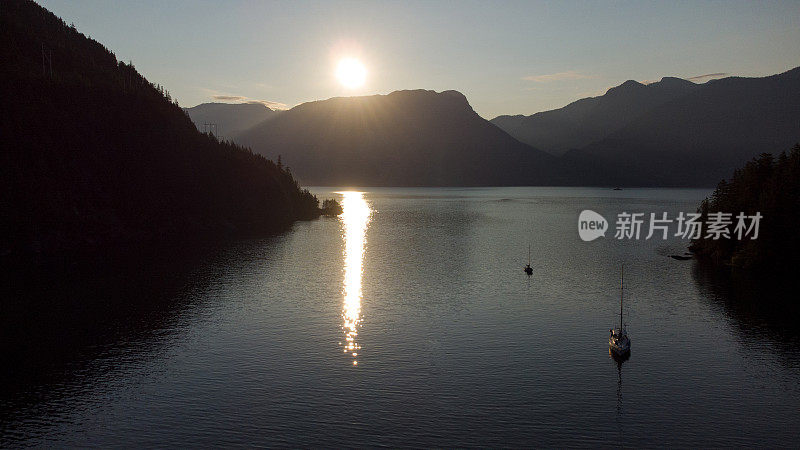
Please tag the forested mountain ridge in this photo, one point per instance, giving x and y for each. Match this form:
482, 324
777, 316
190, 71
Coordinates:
766, 186
97, 156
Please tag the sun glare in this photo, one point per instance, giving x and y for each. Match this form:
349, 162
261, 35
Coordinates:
351, 73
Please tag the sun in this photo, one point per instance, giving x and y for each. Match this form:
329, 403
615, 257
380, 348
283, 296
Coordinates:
351, 73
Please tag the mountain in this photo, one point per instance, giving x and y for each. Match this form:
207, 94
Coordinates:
699, 138
590, 119
230, 119
406, 138
96, 156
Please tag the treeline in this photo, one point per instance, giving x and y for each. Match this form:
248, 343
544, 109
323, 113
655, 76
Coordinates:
768, 186
96, 155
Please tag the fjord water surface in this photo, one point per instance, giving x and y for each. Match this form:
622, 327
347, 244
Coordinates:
408, 321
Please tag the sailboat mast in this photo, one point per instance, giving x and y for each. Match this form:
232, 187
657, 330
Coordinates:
621, 288
529, 254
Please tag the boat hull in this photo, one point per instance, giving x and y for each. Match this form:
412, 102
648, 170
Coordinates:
619, 342
620, 348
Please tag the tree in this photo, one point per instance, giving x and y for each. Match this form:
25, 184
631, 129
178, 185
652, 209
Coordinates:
766, 186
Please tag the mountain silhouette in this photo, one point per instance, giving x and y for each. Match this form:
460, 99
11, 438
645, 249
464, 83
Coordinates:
699, 138
406, 138
590, 119
669, 133
96, 156
99, 154
230, 119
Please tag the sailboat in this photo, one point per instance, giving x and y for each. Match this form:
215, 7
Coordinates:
619, 343
528, 268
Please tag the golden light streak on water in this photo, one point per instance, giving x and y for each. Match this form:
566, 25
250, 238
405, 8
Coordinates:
355, 218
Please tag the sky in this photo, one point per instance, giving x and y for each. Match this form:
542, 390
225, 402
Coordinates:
506, 57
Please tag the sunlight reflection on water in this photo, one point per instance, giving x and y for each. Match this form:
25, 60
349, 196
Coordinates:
355, 218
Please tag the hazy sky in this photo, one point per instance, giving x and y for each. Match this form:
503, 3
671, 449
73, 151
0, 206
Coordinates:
506, 57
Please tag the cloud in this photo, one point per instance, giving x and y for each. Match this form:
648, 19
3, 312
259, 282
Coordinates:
708, 76
229, 98
242, 99
569, 75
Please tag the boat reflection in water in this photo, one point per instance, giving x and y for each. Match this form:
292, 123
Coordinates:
355, 218
619, 360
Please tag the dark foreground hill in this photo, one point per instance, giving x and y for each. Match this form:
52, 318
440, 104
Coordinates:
406, 138
229, 119
95, 155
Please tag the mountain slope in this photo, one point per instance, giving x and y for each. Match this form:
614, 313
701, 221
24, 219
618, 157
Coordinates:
230, 119
406, 138
700, 138
590, 119
97, 156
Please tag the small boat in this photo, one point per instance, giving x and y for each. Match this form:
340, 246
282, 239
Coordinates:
617, 188
619, 343
528, 268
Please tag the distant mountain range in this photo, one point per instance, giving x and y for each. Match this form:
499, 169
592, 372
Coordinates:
406, 138
669, 133
229, 119
699, 138
590, 119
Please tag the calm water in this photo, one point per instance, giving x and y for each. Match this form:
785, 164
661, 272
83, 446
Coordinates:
407, 321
